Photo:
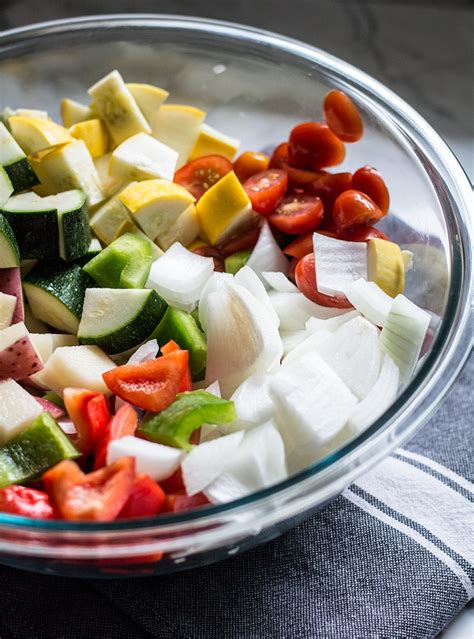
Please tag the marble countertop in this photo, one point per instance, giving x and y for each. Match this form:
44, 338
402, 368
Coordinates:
422, 49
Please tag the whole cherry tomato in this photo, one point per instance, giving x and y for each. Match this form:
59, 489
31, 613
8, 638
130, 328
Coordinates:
313, 145
362, 234
199, 175
305, 276
354, 208
297, 213
266, 189
369, 181
249, 163
342, 116
297, 178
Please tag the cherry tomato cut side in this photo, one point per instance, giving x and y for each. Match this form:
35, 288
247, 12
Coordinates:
298, 213
199, 175
265, 189
342, 116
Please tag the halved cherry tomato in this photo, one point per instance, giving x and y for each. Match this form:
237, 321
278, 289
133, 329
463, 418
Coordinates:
123, 423
313, 145
99, 495
354, 208
199, 175
298, 213
244, 241
187, 383
265, 189
369, 181
305, 275
179, 502
249, 163
27, 502
342, 116
150, 385
89, 412
297, 178
173, 484
146, 499
362, 234
300, 247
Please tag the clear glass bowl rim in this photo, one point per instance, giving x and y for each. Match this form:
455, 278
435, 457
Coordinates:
418, 401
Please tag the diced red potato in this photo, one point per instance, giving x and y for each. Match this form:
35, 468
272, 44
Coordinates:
10, 283
55, 411
18, 355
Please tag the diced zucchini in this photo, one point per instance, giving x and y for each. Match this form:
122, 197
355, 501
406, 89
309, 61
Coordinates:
236, 261
73, 112
19, 409
94, 135
111, 220
141, 157
73, 221
7, 308
13, 160
69, 166
9, 251
181, 327
46, 344
177, 126
35, 134
38, 447
55, 292
125, 263
33, 324
6, 186
93, 251
118, 319
115, 105
149, 99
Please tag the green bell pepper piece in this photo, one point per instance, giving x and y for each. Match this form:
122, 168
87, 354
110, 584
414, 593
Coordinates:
54, 398
236, 261
175, 425
125, 263
28, 455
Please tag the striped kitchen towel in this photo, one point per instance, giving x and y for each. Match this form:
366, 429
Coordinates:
391, 558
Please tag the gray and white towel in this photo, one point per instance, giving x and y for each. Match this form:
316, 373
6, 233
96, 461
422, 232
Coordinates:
391, 558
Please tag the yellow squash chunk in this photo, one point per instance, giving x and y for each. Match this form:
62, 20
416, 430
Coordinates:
211, 141
178, 126
73, 112
111, 220
94, 134
198, 243
66, 167
149, 99
24, 113
115, 105
36, 134
223, 209
110, 184
185, 230
141, 157
156, 205
385, 266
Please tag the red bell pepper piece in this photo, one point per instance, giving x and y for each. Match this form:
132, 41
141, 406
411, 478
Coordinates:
98, 496
28, 502
151, 385
187, 383
90, 414
123, 423
180, 501
146, 499
173, 484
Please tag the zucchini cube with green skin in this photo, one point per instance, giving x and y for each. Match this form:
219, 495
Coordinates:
9, 251
14, 162
181, 327
94, 249
118, 319
236, 261
6, 186
125, 263
175, 425
55, 292
38, 447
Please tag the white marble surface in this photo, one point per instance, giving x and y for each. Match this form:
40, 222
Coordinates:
422, 50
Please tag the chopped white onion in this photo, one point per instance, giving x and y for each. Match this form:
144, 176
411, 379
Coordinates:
247, 278
241, 338
259, 462
214, 389
179, 276
156, 460
370, 300
214, 283
148, 350
279, 282
312, 344
294, 310
312, 406
291, 339
403, 334
207, 461
252, 402
330, 324
338, 263
267, 255
353, 352
67, 426
378, 400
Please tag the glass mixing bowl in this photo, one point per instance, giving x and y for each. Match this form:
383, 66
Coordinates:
255, 85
